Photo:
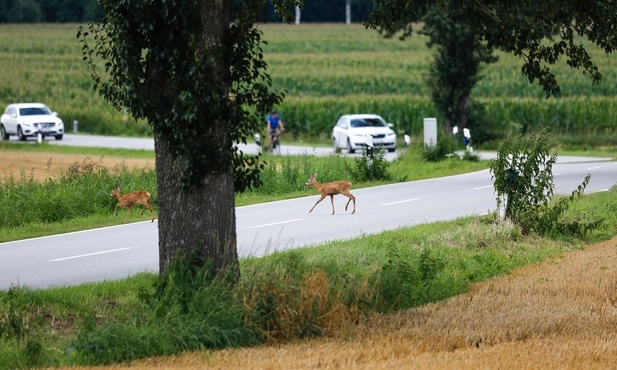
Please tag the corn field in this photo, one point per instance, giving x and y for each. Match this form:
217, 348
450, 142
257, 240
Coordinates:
327, 70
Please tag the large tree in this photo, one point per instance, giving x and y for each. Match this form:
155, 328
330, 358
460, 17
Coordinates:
539, 32
195, 71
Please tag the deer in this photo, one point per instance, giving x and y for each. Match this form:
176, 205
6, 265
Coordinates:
332, 188
129, 200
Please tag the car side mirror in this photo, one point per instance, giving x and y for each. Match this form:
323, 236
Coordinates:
391, 125
54, 114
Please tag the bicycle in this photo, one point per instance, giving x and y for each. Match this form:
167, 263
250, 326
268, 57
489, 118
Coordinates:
275, 143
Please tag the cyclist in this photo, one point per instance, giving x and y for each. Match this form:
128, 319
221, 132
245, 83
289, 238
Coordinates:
275, 126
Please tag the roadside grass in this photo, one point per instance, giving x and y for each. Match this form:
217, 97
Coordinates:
301, 293
79, 199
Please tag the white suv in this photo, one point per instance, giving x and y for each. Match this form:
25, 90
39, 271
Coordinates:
28, 119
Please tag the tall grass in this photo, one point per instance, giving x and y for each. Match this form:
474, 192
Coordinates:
81, 192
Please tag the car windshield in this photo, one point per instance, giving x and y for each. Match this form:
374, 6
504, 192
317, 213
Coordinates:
33, 111
367, 122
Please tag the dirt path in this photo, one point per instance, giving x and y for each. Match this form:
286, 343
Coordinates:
561, 314
40, 166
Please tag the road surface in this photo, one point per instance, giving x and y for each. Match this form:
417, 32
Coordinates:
116, 252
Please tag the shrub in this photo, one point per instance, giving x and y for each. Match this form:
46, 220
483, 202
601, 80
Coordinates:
371, 165
522, 175
443, 149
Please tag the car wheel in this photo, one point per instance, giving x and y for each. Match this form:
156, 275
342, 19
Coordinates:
3, 133
349, 147
59, 137
20, 134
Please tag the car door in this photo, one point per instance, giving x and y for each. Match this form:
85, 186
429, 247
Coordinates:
340, 132
10, 120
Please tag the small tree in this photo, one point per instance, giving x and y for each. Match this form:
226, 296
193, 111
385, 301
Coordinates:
455, 68
522, 175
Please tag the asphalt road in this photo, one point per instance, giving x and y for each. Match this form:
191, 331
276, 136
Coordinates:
116, 252
148, 144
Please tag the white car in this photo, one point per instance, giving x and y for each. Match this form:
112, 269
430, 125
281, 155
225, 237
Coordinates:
352, 131
28, 119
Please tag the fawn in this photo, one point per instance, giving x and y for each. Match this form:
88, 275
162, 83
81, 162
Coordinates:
129, 200
332, 188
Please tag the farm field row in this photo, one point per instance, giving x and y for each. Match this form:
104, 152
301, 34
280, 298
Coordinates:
327, 70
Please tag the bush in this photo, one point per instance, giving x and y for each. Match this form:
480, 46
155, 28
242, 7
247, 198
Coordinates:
371, 165
522, 176
443, 149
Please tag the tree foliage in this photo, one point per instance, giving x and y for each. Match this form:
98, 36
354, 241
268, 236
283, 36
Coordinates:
192, 98
539, 32
455, 68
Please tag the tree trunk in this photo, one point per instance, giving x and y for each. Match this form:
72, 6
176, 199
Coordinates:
463, 112
200, 219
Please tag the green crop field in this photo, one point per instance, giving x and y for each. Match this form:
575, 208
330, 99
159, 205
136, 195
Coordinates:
327, 70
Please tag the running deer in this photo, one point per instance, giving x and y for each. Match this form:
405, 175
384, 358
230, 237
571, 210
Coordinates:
129, 200
332, 188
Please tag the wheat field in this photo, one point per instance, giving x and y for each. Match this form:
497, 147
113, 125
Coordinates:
560, 314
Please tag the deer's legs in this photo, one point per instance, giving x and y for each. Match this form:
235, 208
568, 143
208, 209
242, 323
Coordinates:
150, 209
332, 201
128, 212
320, 199
351, 198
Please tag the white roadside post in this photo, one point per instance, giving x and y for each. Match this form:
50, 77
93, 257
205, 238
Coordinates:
430, 132
467, 136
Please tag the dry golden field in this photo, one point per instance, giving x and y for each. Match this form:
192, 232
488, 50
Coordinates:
561, 314
40, 166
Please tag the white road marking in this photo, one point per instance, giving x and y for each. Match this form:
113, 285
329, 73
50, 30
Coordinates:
90, 254
594, 168
276, 223
400, 201
482, 187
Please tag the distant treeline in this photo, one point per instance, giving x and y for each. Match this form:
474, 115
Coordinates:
77, 11
49, 11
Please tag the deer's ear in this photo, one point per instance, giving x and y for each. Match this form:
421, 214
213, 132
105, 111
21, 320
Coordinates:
314, 175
